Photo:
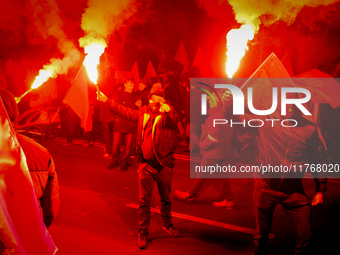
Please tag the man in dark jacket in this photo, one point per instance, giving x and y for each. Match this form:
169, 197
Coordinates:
277, 145
39, 163
124, 130
156, 143
44, 177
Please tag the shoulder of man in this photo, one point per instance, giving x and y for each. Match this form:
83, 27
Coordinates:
26, 142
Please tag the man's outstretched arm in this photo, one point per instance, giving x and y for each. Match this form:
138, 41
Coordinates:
121, 110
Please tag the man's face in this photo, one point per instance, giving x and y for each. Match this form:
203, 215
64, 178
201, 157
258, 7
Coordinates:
290, 111
211, 101
141, 86
155, 103
227, 98
290, 108
129, 86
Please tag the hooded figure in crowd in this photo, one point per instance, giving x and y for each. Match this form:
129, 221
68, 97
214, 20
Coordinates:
40, 164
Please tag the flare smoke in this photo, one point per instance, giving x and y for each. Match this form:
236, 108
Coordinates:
47, 21
250, 11
102, 17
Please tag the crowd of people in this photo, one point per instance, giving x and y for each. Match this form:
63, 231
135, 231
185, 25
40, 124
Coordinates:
157, 124
116, 132
149, 119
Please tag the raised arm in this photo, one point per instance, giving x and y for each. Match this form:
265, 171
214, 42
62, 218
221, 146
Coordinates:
170, 115
121, 110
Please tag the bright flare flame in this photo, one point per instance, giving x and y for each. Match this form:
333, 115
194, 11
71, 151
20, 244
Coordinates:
91, 61
237, 40
43, 76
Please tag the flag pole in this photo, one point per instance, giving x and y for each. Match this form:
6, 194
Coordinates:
82, 66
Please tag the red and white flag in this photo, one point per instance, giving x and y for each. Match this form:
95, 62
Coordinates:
322, 90
182, 58
262, 83
287, 64
77, 98
135, 73
323, 87
150, 71
200, 63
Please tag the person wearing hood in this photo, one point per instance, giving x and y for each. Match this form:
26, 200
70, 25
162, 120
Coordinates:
40, 165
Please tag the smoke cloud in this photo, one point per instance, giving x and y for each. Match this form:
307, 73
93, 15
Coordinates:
46, 18
103, 17
265, 11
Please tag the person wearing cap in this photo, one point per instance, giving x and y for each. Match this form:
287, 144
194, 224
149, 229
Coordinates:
40, 165
156, 144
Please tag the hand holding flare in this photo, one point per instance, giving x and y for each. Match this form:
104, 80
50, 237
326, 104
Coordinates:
100, 96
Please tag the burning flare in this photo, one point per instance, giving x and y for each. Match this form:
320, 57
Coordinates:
91, 61
43, 76
237, 40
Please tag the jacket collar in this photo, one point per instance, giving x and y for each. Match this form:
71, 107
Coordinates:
148, 115
146, 119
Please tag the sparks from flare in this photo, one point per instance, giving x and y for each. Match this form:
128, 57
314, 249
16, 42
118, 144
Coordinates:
237, 40
91, 61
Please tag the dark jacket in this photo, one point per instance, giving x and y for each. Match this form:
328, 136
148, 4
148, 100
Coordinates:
290, 147
223, 133
163, 133
44, 177
123, 125
105, 115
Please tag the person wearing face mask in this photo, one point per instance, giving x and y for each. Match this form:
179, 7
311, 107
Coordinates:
156, 144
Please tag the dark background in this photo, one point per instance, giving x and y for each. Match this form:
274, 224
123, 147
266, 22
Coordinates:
155, 31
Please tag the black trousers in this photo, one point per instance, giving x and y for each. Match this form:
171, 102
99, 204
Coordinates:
295, 204
118, 139
108, 135
147, 178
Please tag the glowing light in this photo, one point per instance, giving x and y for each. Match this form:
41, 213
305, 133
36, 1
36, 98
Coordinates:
43, 76
237, 40
91, 61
